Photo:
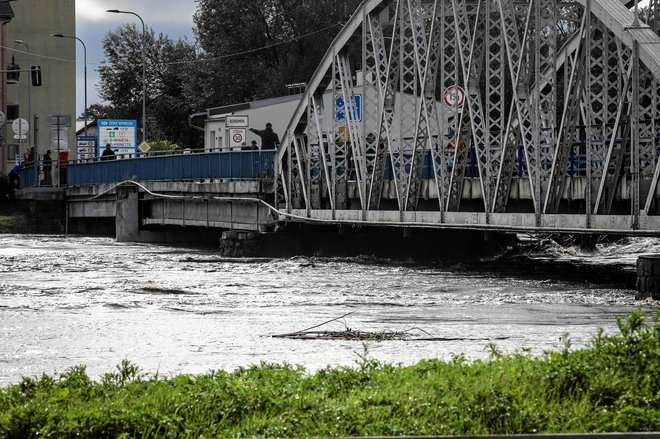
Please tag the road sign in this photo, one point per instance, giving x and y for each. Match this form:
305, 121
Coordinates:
237, 121
343, 111
86, 147
236, 137
20, 126
120, 134
454, 97
59, 120
3, 118
59, 138
20, 136
144, 147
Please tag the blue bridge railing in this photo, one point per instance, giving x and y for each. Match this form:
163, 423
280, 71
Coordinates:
243, 165
235, 165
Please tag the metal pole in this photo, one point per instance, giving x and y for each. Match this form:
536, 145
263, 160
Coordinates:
59, 140
85, 70
85, 79
36, 145
144, 70
29, 97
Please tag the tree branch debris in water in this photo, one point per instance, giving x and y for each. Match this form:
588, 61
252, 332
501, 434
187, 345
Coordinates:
410, 334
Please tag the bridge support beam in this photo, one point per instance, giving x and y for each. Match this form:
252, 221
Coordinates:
648, 276
127, 218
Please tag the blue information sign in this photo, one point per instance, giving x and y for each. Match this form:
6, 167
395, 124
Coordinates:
342, 110
120, 134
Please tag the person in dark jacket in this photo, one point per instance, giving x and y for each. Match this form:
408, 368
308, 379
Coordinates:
48, 167
269, 138
108, 153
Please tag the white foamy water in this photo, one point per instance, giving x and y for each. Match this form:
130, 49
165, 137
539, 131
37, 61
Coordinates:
94, 302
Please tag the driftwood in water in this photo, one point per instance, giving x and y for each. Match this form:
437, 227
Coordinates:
411, 334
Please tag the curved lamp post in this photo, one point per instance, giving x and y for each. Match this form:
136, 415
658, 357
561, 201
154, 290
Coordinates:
85, 70
144, 71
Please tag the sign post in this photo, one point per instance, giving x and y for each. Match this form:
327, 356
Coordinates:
59, 128
20, 127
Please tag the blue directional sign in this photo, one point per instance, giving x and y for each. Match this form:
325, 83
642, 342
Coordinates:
341, 109
120, 134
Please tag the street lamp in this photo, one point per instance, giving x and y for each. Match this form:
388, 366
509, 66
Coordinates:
85, 70
29, 118
144, 71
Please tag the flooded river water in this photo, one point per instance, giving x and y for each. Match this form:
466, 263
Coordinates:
67, 301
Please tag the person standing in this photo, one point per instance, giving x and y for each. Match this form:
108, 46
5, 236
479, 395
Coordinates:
48, 167
63, 165
28, 157
269, 138
108, 153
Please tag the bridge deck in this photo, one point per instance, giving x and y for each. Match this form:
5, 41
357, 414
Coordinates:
248, 175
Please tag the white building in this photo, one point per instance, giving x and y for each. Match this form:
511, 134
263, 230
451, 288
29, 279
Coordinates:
227, 128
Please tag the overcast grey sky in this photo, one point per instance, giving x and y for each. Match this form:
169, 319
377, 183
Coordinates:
170, 17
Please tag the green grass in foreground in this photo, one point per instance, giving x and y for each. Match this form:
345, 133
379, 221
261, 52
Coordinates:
612, 385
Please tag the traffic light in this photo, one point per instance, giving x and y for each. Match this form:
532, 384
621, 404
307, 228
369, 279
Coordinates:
14, 74
12, 111
36, 76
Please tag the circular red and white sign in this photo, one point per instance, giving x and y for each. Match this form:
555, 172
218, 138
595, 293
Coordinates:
238, 137
454, 96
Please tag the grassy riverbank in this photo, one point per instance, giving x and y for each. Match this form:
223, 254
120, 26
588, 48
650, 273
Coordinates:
612, 385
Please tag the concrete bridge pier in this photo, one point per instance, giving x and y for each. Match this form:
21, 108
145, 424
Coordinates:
127, 218
648, 277
237, 243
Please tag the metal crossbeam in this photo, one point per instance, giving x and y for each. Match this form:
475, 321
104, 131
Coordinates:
493, 107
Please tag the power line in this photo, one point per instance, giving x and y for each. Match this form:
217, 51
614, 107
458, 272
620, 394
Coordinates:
194, 61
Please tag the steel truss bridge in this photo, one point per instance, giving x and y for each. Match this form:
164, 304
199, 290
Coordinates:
536, 115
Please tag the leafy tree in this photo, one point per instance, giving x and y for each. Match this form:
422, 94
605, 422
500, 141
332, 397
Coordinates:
166, 70
254, 48
171, 105
100, 111
121, 69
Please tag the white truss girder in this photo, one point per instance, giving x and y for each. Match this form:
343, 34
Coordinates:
535, 103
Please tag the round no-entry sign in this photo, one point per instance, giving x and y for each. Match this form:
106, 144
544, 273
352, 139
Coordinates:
20, 126
454, 96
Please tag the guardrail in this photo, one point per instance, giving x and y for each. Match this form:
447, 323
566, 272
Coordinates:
235, 165
243, 165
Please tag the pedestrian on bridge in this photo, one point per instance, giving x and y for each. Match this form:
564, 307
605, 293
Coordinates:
48, 169
269, 138
108, 153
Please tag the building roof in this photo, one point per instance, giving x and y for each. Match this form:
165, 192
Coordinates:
228, 109
6, 11
80, 126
